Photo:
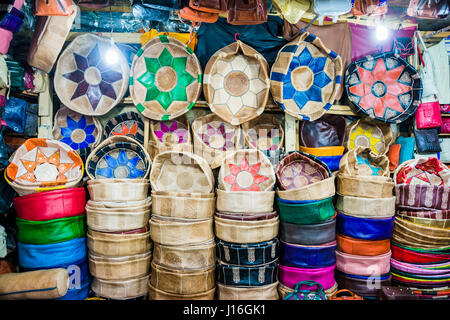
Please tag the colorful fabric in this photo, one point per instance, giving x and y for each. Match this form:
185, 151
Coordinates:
384, 87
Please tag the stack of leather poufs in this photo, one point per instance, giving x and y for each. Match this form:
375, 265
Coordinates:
117, 217
421, 240
365, 222
181, 226
307, 227
246, 228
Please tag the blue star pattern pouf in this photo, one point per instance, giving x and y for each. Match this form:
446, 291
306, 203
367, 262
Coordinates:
305, 78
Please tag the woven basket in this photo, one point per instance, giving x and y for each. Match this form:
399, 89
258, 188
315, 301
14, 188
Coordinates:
284, 291
119, 268
110, 244
363, 161
236, 83
156, 294
428, 171
187, 207
128, 124
80, 132
165, 78
107, 221
267, 292
121, 289
213, 138
365, 187
306, 77
185, 257
118, 189
181, 172
84, 82
173, 232
120, 207
43, 165
173, 135
264, 133
298, 169
182, 281
246, 231
245, 202
366, 208
378, 137
246, 170
118, 157
315, 191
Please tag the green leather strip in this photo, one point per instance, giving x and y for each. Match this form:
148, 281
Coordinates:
51, 231
139, 52
306, 213
140, 107
131, 81
165, 117
163, 38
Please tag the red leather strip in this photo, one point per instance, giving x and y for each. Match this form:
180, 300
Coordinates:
410, 256
51, 205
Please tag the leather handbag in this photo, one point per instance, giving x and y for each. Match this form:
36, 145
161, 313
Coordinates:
345, 294
301, 256
248, 253
313, 234
426, 71
53, 7
244, 12
95, 4
291, 10
247, 276
407, 149
362, 247
427, 140
365, 229
318, 293
426, 9
394, 156
369, 7
196, 16
428, 115
290, 276
215, 6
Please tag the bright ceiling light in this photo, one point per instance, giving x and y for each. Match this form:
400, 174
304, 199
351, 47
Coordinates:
381, 32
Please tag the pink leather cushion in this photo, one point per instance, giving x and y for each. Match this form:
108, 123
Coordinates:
363, 265
289, 276
5, 39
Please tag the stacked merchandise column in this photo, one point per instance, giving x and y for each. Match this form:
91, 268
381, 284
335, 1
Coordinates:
308, 221
117, 217
181, 226
421, 239
51, 224
246, 228
365, 222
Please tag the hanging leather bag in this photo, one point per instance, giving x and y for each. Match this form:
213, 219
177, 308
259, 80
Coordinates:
428, 9
212, 6
244, 12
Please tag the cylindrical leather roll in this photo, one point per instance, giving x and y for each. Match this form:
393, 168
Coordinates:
247, 276
247, 217
50, 231
423, 196
246, 231
283, 291
313, 234
362, 287
111, 244
183, 207
301, 256
121, 289
50, 255
175, 231
248, 253
413, 255
365, 229
365, 187
40, 284
421, 269
187, 257
306, 213
363, 265
365, 207
315, 191
245, 201
156, 294
114, 189
51, 204
362, 247
119, 268
290, 276
182, 282
106, 221
267, 292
